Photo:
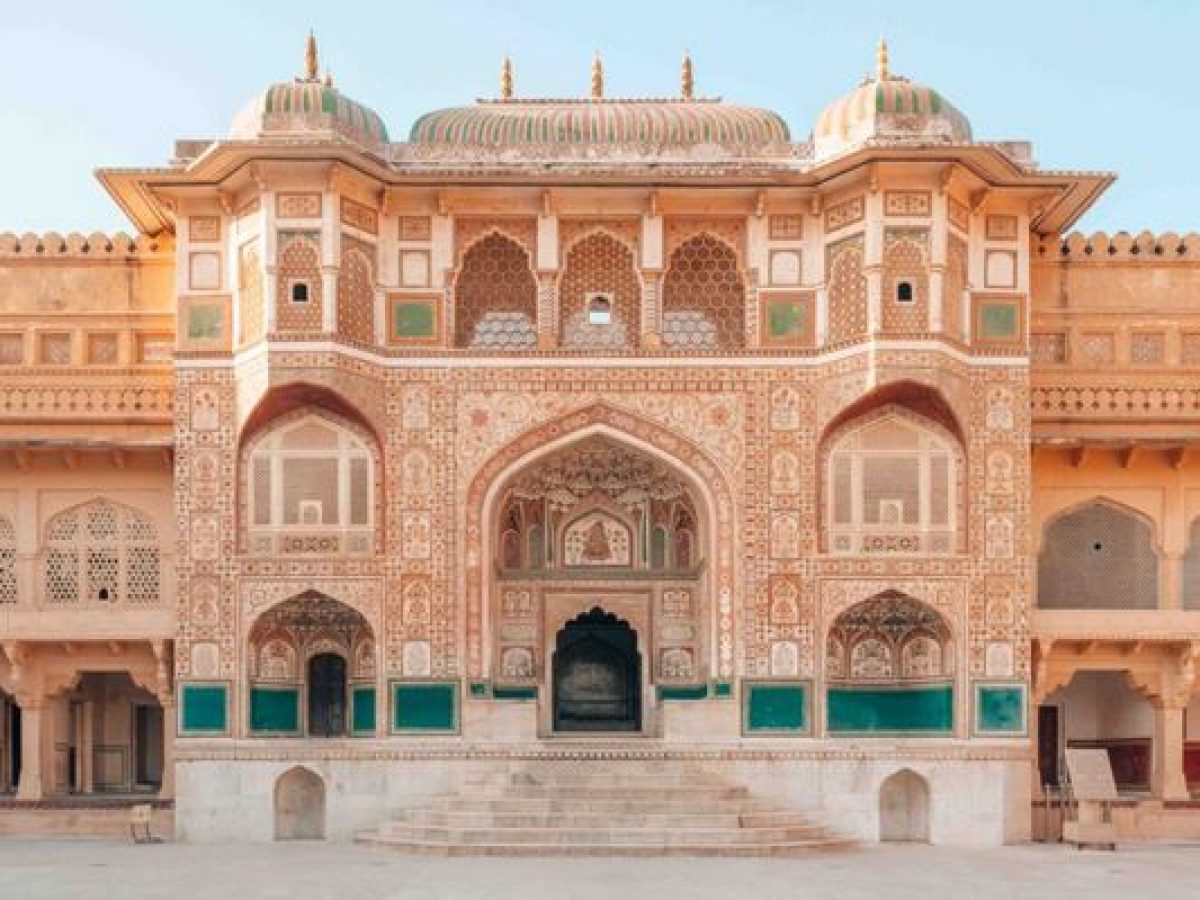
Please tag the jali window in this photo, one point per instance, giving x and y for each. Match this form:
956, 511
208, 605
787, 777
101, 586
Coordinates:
893, 488
311, 490
101, 552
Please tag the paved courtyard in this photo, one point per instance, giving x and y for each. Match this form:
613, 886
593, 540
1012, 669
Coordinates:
69, 869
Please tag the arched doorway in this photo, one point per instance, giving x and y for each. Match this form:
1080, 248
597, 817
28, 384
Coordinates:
904, 808
312, 670
299, 806
597, 675
327, 695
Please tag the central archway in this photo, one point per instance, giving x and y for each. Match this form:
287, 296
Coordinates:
597, 675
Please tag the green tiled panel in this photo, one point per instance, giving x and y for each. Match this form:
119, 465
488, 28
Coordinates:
775, 707
998, 320
1000, 708
202, 708
682, 691
785, 318
514, 692
362, 709
413, 320
723, 689
275, 709
923, 710
478, 689
425, 707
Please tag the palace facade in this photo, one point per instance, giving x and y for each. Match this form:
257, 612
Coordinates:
580, 432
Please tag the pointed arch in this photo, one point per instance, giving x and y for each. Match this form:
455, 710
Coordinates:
904, 808
1098, 554
705, 477
299, 802
704, 295
495, 294
598, 263
101, 551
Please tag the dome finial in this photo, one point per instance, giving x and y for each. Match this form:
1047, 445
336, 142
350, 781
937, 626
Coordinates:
597, 77
506, 79
881, 61
687, 81
311, 60
328, 79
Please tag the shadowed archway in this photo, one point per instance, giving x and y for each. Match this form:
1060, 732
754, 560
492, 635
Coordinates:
597, 675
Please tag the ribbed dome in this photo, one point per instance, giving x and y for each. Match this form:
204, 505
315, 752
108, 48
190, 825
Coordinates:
309, 107
888, 109
541, 126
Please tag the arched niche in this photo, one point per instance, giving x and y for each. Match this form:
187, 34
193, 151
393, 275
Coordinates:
299, 801
904, 808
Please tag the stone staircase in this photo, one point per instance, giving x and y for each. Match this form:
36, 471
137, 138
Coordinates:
616, 810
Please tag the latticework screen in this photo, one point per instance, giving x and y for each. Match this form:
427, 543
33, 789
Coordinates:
496, 297
1191, 569
101, 552
704, 299
8, 561
1098, 557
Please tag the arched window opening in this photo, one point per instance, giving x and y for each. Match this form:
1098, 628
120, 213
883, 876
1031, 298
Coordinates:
704, 297
496, 297
311, 489
1099, 556
893, 487
101, 552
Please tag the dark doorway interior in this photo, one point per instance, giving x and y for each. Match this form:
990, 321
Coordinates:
327, 695
597, 675
1048, 749
148, 745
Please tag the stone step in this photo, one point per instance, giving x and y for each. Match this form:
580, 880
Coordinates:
586, 837
789, 848
615, 792
548, 819
583, 803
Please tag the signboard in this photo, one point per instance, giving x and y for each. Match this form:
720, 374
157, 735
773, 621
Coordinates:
1091, 774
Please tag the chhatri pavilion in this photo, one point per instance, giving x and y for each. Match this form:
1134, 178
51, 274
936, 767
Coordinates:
598, 474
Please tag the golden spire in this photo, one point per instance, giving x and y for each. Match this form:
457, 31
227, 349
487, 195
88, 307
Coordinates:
597, 77
310, 59
881, 61
328, 79
506, 79
688, 82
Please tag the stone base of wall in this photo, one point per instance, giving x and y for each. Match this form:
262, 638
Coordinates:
979, 796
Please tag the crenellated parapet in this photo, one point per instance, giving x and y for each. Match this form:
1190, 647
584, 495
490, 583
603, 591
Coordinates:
96, 245
1101, 246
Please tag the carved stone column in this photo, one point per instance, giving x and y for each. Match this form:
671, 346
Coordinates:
652, 308
34, 721
547, 309
1168, 780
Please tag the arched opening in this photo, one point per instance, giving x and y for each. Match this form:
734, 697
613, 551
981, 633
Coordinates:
312, 670
597, 675
495, 296
1098, 556
101, 553
904, 808
299, 806
893, 470
889, 667
311, 486
704, 296
327, 695
10, 744
600, 294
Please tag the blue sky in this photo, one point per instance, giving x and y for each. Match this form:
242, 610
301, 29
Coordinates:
1095, 85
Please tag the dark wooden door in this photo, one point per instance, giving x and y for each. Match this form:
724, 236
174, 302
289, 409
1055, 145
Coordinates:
1047, 749
327, 695
597, 675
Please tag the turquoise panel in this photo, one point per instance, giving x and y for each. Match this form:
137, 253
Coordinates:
1000, 709
928, 709
425, 707
203, 708
362, 709
723, 689
478, 688
777, 706
682, 691
514, 692
275, 710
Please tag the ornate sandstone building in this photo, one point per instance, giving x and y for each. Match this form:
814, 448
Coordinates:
625, 436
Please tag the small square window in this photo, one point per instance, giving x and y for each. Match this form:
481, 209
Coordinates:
599, 309
299, 292
904, 292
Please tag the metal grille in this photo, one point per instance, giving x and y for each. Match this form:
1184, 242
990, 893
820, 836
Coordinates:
1098, 557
